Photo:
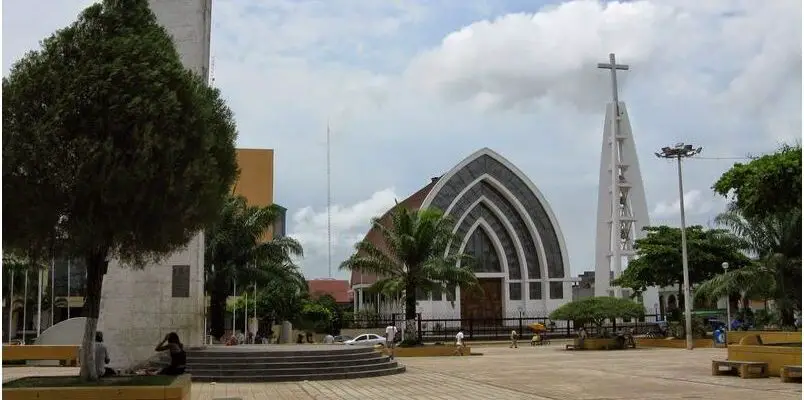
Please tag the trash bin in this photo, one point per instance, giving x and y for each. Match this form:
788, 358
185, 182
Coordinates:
718, 337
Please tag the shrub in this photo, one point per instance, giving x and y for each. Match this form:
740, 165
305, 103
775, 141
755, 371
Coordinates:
596, 310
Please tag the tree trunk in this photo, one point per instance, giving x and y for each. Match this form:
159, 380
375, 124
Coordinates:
410, 313
217, 312
681, 298
96, 268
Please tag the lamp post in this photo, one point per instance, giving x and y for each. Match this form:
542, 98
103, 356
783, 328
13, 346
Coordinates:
725, 266
678, 152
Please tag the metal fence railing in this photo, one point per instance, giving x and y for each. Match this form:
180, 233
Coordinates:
444, 329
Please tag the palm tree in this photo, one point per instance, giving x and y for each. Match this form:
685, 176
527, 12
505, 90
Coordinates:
775, 242
753, 281
236, 251
413, 257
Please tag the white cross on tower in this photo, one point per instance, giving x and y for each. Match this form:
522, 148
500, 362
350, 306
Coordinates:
613, 66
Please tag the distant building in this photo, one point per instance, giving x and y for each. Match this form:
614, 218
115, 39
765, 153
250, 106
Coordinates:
338, 289
506, 224
585, 286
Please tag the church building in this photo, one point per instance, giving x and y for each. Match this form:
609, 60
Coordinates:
506, 224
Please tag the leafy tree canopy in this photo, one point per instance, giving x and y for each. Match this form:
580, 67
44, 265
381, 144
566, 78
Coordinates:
766, 185
596, 310
658, 261
111, 147
110, 141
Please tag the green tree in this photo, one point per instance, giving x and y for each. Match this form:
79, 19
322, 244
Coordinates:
767, 185
336, 311
658, 261
236, 251
111, 146
774, 240
315, 317
277, 301
413, 256
596, 310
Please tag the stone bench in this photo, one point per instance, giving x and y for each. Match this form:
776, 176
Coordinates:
790, 372
66, 354
745, 369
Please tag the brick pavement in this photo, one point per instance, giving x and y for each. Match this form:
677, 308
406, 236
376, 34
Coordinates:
524, 373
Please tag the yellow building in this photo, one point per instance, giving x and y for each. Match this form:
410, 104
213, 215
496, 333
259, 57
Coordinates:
256, 183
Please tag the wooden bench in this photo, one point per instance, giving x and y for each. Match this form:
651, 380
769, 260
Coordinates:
745, 369
66, 354
789, 373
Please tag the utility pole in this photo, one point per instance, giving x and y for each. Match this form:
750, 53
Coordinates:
678, 152
329, 205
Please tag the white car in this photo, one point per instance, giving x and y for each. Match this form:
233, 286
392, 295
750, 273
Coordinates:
366, 339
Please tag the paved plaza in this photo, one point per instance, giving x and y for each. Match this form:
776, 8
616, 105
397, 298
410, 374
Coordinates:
524, 373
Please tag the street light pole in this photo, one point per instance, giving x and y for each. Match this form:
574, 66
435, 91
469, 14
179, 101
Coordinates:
678, 152
725, 266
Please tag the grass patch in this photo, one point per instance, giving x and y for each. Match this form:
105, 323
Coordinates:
74, 381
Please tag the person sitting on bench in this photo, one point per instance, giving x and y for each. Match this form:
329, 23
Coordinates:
536, 339
178, 358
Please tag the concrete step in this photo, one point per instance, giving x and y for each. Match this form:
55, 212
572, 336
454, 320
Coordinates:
282, 351
271, 358
296, 370
315, 363
301, 377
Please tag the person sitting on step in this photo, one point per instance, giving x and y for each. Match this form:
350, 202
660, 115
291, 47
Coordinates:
102, 356
178, 357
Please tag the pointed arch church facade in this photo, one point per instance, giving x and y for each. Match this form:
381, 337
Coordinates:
506, 224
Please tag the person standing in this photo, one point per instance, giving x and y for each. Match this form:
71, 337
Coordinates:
514, 337
390, 337
459, 342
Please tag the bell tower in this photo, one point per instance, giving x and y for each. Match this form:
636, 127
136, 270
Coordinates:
622, 209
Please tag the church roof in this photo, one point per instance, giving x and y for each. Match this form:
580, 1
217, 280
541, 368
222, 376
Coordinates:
487, 190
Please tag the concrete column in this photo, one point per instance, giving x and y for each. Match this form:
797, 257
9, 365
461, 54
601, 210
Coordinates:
287, 331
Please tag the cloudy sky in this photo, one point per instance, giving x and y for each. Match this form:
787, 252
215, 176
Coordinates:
412, 87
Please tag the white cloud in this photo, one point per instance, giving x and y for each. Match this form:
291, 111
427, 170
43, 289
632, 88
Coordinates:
349, 225
730, 54
401, 82
551, 54
694, 204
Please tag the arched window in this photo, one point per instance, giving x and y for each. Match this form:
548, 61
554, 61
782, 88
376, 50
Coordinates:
482, 249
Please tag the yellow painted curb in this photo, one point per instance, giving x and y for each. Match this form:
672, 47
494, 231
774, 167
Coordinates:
426, 351
674, 343
768, 337
178, 390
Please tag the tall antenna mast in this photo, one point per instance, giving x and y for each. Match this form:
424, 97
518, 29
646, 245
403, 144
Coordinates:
212, 72
329, 206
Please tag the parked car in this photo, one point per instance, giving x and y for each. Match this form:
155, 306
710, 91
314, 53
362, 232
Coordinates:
342, 338
366, 339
